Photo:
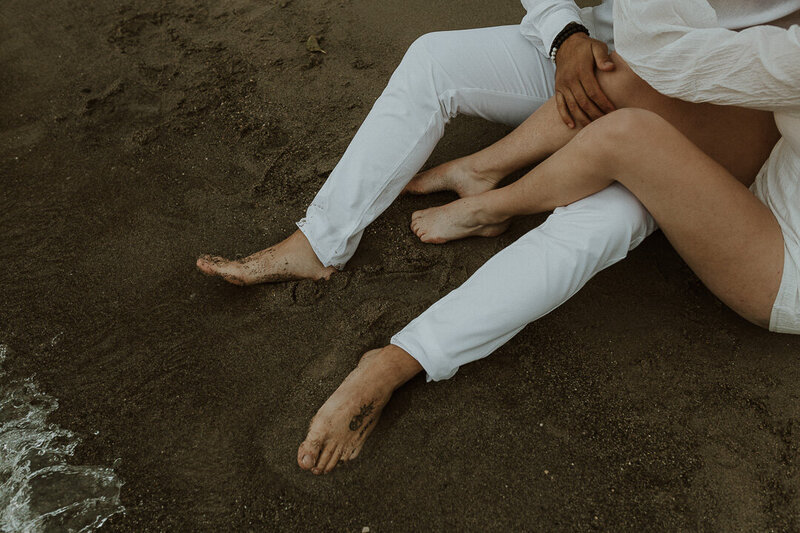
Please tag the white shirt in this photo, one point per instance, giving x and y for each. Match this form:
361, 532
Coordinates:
546, 18
738, 14
678, 47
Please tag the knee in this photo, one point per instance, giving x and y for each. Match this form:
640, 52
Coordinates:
425, 48
621, 131
421, 72
622, 85
630, 123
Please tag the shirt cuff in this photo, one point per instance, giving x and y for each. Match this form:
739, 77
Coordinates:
555, 23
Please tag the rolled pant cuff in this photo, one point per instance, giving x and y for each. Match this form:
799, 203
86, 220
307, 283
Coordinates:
433, 372
326, 259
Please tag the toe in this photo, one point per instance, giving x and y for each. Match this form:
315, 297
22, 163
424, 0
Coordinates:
334, 460
206, 264
307, 454
347, 451
228, 270
324, 457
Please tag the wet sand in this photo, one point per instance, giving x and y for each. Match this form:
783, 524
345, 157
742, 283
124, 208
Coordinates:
136, 136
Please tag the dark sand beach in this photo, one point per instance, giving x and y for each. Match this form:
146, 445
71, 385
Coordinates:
136, 135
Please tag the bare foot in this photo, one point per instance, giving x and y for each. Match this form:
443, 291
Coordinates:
458, 175
340, 427
288, 260
456, 220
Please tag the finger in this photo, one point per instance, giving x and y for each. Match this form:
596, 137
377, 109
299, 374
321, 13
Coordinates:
561, 105
587, 105
575, 110
601, 57
596, 94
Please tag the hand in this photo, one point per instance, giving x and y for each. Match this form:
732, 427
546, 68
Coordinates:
578, 94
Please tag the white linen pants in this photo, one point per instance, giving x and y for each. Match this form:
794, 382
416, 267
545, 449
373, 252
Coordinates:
496, 74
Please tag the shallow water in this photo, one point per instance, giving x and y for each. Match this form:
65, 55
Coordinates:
39, 490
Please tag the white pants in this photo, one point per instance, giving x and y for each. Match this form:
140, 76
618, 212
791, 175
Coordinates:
496, 74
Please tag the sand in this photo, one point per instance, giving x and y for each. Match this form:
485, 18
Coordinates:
135, 136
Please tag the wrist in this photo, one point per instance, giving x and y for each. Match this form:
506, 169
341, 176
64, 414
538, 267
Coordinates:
569, 43
571, 30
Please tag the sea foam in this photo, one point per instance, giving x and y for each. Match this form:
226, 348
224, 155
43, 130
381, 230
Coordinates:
39, 490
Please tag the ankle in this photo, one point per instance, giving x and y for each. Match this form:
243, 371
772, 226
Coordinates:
482, 211
392, 366
488, 167
482, 170
301, 246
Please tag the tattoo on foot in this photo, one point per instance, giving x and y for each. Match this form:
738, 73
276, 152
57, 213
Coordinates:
364, 429
358, 419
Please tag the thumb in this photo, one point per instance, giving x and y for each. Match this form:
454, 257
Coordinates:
601, 57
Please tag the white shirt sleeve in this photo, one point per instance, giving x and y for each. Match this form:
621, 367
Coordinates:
678, 48
546, 19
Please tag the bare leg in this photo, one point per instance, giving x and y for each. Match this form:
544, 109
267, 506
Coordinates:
739, 139
535, 139
726, 235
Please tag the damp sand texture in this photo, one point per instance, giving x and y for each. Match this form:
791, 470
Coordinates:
135, 136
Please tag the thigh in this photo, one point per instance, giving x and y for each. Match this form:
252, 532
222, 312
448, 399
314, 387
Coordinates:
726, 235
493, 73
739, 139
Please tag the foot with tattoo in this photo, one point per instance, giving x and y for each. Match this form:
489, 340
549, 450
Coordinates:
339, 429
